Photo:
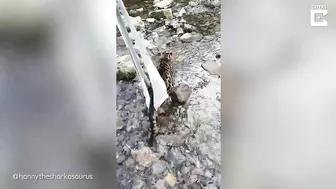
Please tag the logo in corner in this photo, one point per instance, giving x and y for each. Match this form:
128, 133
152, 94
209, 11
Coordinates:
318, 14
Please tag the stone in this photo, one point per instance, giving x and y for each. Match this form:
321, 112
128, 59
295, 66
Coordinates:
207, 174
179, 31
160, 184
129, 162
212, 66
150, 20
197, 36
138, 183
193, 178
163, 4
182, 12
187, 38
179, 58
120, 124
144, 156
189, 28
181, 93
162, 14
125, 68
170, 179
137, 23
120, 158
120, 41
193, 3
158, 167
140, 10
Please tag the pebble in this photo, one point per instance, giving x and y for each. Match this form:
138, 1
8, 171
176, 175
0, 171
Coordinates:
212, 66
120, 158
181, 93
158, 167
187, 38
193, 3
160, 184
179, 31
144, 156
170, 179
182, 12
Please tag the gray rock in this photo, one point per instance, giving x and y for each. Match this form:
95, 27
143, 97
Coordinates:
189, 28
163, 4
185, 170
207, 173
182, 12
170, 140
181, 93
158, 167
179, 31
120, 124
211, 186
162, 14
137, 22
193, 178
187, 38
144, 156
138, 183
125, 68
212, 66
129, 162
197, 36
193, 3
160, 184
150, 20
120, 158
120, 41
140, 10
212, 3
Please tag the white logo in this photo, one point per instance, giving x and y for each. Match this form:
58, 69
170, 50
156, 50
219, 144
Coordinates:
318, 14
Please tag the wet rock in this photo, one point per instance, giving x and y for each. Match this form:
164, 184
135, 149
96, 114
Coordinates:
158, 167
162, 14
181, 93
163, 4
125, 68
212, 66
170, 179
187, 38
144, 156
